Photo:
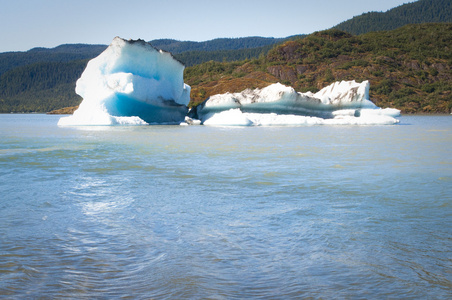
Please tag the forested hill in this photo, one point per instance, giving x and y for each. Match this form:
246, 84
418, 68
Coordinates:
409, 68
422, 11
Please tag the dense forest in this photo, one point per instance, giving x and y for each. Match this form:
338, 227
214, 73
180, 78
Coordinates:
422, 11
409, 68
40, 87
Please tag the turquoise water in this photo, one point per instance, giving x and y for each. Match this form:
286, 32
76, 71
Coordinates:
173, 212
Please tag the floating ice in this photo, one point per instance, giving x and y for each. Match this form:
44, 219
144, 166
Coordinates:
132, 83
340, 103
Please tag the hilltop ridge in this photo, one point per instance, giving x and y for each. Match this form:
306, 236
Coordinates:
417, 12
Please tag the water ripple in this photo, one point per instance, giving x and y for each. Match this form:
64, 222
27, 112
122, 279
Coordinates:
212, 213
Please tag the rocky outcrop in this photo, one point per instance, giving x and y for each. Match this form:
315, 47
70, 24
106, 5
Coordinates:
284, 73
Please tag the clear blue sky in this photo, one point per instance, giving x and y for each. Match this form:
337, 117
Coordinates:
48, 23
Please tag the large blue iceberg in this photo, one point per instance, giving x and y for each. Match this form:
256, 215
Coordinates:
131, 82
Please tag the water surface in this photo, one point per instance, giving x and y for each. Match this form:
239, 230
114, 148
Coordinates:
171, 212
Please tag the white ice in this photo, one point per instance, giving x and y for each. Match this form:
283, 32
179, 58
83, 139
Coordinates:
132, 83
341, 103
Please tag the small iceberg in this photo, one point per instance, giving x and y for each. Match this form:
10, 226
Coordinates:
341, 103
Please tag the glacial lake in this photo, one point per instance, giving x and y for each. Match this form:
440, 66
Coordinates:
197, 212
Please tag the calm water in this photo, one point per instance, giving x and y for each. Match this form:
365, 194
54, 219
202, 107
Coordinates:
171, 212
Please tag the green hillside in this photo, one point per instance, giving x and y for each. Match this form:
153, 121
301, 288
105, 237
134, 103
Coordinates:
422, 11
409, 68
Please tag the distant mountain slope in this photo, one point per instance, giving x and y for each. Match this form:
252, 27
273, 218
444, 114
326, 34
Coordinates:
177, 47
190, 53
422, 11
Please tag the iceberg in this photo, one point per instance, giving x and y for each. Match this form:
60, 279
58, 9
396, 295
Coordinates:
341, 103
132, 83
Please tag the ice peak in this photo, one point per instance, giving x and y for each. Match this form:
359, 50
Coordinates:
131, 78
344, 91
